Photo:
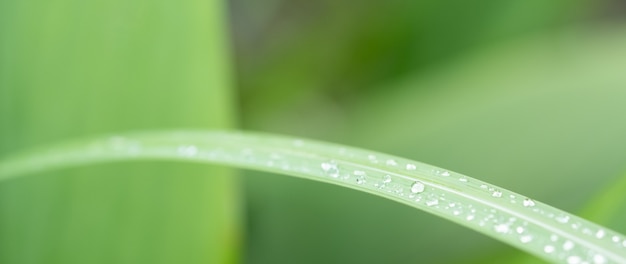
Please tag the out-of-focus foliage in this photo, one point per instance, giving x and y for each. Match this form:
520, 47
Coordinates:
294, 54
515, 94
73, 68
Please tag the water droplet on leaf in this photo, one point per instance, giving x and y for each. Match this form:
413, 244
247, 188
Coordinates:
386, 179
330, 168
573, 260
599, 259
600, 234
548, 249
432, 202
360, 180
562, 219
417, 187
568, 245
391, 162
501, 228
526, 238
528, 202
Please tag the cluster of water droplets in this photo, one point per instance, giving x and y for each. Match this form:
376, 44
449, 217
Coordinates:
433, 197
436, 190
430, 188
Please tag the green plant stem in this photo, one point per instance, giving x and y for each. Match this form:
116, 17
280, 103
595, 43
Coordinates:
534, 227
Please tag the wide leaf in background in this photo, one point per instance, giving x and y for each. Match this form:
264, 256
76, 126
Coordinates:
71, 68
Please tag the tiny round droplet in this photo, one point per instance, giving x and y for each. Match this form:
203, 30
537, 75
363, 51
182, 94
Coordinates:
528, 202
330, 169
599, 259
501, 228
360, 180
445, 173
391, 162
463, 179
573, 260
568, 245
562, 219
526, 238
411, 167
417, 187
497, 194
386, 179
432, 202
548, 249
600, 234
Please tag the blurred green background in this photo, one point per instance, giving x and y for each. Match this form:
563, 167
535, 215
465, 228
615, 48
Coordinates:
528, 95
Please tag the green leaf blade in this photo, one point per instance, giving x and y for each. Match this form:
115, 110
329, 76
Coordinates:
529, 225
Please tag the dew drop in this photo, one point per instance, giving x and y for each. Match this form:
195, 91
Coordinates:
360, 180
391, 162
483, 186
497, 194
501, 228
548, 249
330, 169
600, 234
445, 173
359, 173
386, 179
615, 239
599, 259
528, 202
469, 217
526, 238
417, 187
554, 238
411, 167
519, 230
562, 219
432, 202
463, 179
573, 260
568, 245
